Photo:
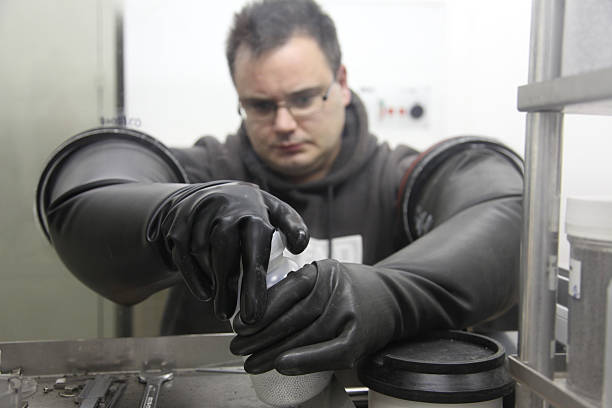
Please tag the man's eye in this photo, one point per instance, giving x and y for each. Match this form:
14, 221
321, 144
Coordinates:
261, 107
302, 101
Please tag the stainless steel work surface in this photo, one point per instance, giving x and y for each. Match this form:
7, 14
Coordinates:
188, 389
206, 374
192, 390
38, 358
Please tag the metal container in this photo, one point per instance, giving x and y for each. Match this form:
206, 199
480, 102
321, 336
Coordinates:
588, 225
280, 390
442, 369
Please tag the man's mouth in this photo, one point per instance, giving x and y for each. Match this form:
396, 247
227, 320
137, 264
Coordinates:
293, 147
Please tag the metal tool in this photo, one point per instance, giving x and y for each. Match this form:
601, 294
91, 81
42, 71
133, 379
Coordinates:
94, 391
153, 385
225, 367
116, 395
221, 370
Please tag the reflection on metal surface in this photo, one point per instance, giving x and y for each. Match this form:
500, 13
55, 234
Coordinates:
115, 354
219, 369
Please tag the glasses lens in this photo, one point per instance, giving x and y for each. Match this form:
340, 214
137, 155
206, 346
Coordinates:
300, 105
259, 109
305, 104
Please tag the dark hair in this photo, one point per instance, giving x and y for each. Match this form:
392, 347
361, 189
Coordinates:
268, 24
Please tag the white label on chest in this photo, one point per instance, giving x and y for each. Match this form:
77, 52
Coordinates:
344, 249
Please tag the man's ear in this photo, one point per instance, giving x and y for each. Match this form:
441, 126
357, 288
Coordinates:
341, 77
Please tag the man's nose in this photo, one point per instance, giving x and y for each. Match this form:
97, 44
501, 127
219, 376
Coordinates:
284, 121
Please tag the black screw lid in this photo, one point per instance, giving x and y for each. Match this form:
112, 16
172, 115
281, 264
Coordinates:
442, 367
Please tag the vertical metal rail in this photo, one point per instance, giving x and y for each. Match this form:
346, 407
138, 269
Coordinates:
539, 249
607, 381
120, 62
124, 315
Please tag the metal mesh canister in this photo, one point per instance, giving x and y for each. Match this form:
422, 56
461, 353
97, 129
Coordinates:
588, 224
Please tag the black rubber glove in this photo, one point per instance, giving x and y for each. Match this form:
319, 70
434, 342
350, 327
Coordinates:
328, 314
119, 211
463, 207
209, 229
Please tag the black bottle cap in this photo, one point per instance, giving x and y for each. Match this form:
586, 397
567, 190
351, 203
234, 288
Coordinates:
441, 367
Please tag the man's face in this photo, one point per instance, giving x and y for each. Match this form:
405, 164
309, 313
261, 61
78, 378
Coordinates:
304, 148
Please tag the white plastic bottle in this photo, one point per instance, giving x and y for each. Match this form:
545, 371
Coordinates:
278, 264
273, 387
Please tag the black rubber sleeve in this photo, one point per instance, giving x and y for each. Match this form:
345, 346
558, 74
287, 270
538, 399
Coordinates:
94, 201
462, 208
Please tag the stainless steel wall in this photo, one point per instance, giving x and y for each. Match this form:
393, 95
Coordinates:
57, 78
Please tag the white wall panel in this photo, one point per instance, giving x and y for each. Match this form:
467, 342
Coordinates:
462, 59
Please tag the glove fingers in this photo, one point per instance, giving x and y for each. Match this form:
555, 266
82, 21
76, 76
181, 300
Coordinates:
289, 222
263, 361
255, 237
175, 232
302, 325
287, 311
275, 333
334, 354
313, 344
225, 256
197, 282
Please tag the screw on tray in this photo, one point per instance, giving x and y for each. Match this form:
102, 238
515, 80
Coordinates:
72, 381
69, 386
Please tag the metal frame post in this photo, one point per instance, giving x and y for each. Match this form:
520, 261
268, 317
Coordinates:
543, 148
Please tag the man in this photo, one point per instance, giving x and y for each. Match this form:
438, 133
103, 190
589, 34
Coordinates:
427, 241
